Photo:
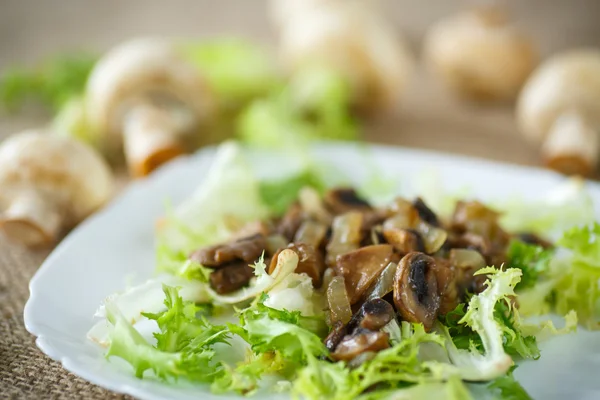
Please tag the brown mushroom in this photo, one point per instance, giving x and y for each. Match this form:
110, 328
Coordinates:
231, 277
338, 332
291, 221
346, 235
373, 315
361, 267
361, 342
342, 200
404, 240
416, 293
246, 249
425, 213
310, 262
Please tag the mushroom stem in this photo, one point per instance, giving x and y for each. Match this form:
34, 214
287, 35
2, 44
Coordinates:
151, 138
571, 146
31, 220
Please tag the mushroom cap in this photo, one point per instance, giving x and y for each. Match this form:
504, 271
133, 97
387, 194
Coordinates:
140, 70
348, 36
566, 82
66, 172
479, 54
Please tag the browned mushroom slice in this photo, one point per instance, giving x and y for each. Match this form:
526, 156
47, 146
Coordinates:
342, 200
404, 240
373, 315
231, 277
338, 332
346, 235
425, 212
474, 217
416, 289
290, 222
311, 232
361, 267
246, 249
433, 237
310, 262
361, 342
532, 238
447, 286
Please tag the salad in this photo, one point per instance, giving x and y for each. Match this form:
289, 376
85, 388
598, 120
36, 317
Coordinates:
311, 286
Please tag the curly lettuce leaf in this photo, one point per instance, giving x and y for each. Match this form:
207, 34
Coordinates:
533, 261
393, 368
184, 345
228, 197
507, 388
579, 288
481, 317
567, 205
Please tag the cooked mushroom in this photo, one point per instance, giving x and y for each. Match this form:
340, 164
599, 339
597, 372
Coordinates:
246, 249
425, 213
310, 262
447, 286
346, 235
559, 108
398, 227
404, 240
361, 342
343, 200
338, 332
373, 315
416, 293
479, 54
290, 222
231, 277
143, 96
349, 37
48, 184
361, 267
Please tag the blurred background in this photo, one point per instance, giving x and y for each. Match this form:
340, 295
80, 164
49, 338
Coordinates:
427, 116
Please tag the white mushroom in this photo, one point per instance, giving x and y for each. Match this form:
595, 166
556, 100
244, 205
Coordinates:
350, 37
479, 55
559, 108
143, 95
48, 184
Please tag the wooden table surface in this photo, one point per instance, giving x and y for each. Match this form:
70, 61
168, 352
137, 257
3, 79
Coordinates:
428, 117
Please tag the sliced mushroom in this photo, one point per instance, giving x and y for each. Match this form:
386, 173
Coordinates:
425, 213
373, 315
346, 234
532, 238
361, 267
361, 342
310, 262
433, 237
291, 221
447, 286
342, 200
416, 293
338, 332
231, 277
246, 249
404, 240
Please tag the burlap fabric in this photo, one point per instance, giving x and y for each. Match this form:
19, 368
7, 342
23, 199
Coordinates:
25, 372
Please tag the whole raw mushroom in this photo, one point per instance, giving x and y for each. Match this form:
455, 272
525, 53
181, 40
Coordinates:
48, 184
559, 108
479, 54
144, 97
350, 37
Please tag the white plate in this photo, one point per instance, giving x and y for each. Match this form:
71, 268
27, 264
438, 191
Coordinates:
115, 247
